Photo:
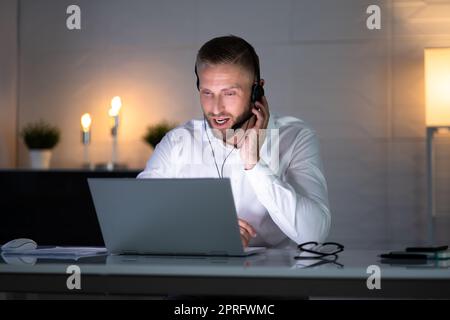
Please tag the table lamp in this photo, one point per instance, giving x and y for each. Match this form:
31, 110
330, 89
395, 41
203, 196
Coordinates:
116, 104
437, 104
86, 122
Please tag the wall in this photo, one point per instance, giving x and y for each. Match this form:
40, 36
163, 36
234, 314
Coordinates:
361, 90
8, 81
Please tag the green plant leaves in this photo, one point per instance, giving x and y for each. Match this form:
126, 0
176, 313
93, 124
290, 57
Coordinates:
156, 132
40, 135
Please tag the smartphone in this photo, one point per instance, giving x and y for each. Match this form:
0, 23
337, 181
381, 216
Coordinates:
427, 249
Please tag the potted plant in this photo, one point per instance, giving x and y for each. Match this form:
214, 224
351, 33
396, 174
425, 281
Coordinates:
40, 138
156, 132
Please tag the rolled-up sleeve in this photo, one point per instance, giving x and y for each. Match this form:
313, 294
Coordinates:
297, 199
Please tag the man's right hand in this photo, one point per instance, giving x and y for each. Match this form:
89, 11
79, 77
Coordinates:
247, 232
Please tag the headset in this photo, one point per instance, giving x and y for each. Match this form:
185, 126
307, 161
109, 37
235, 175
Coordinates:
257, 88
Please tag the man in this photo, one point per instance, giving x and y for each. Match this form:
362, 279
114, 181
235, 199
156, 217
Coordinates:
273, 162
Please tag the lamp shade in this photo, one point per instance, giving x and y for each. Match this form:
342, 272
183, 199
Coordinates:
437, 86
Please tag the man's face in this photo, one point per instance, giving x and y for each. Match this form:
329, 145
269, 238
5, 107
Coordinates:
224, 94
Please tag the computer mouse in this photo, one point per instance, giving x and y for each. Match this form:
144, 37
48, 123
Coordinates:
19, 245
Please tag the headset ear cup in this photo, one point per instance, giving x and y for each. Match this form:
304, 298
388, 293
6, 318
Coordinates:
260, 92
253, 96
257, 92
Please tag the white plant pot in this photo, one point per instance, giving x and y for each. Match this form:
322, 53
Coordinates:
40, 158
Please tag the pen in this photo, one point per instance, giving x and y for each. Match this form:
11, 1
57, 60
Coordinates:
411, 256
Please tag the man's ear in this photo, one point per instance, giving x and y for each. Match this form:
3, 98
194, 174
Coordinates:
262, 82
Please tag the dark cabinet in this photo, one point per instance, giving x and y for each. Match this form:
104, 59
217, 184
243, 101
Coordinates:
51, 207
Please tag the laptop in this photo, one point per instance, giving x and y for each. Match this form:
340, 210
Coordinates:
168, 216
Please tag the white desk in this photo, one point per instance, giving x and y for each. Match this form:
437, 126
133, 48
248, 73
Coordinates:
274, 273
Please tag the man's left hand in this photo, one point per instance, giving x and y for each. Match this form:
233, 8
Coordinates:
254, 136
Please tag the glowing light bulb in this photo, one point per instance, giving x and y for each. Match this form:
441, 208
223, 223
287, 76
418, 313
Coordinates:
116, 104
86, 122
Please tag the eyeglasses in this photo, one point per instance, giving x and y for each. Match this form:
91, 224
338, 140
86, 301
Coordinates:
319, 251
313, 262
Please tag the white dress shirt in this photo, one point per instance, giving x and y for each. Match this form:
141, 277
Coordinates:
284, 196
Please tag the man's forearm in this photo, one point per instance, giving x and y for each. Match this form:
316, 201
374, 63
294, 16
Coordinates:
302, 217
